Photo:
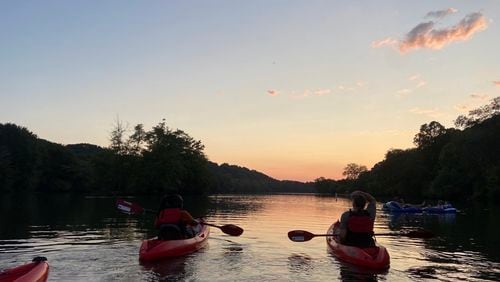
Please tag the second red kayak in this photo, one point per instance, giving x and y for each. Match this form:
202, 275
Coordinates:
154, 249
373, 257
35, 271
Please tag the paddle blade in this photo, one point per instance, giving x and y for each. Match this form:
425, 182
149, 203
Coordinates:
419, 234
300, 235
128, 207
232, 229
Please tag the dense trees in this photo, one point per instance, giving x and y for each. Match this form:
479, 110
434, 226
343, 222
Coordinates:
156, 161
447, 162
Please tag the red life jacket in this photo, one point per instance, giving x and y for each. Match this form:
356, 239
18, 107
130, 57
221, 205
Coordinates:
359, 229
166, 216
360, 222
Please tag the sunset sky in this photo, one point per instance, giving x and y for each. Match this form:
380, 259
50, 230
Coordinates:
294, 89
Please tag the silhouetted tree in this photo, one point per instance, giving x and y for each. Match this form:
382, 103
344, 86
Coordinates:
352, 170
479, 115
428, 134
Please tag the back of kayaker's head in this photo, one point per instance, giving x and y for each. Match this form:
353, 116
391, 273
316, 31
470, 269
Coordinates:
172, 201
358, 201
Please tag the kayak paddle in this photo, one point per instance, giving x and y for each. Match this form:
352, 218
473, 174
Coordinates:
229, 229
303, 236
130, 208
134, 208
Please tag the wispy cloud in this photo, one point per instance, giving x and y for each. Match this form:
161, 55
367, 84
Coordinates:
321, 92
418, 79
421, 83
301, 94
360, 83
403, 92
418, 82
433, 113
497, 83
479, 96
384, 42
414, 77
474, 101
272, 93
351, 87
462, 108
440, 14
425, 35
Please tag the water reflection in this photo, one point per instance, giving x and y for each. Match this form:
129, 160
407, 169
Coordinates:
300, 263
86, 239
171, 269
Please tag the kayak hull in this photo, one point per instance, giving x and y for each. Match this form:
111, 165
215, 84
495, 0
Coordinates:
376, 258
154, 249
393, 207
36, 271
440, 210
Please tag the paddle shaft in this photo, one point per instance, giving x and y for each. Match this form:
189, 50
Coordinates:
379, 234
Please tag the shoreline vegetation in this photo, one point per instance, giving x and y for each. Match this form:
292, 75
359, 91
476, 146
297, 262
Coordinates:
452, 163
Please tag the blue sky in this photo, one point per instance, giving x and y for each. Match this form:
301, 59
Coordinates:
295, 89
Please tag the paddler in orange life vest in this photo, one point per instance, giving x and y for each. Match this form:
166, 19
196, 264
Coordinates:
356, 225
172, 221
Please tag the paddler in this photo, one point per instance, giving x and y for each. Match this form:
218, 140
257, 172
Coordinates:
173, 221
356, 225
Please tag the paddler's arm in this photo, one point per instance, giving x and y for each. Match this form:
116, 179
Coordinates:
188, 219
371, 208
343, 227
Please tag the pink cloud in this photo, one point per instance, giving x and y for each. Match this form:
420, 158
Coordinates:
384, 42
424, 35
497, 83
272, 93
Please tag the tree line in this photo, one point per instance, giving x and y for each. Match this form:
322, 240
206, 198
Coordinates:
452, 163
159, 160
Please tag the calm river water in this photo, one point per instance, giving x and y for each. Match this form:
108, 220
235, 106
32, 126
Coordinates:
87, 239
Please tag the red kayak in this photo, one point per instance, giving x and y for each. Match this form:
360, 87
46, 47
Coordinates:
35, 271
372, 257
154, 249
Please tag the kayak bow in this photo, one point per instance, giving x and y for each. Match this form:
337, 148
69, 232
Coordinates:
37, 270
154, 249
372, 257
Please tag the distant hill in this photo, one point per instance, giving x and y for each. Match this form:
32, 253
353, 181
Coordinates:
28, 163
237, 179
